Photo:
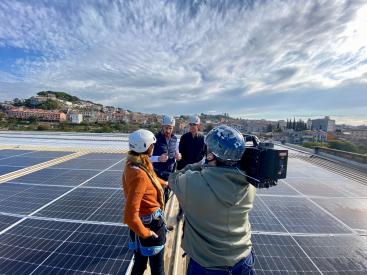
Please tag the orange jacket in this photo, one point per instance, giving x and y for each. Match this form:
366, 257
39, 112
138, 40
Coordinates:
141, 198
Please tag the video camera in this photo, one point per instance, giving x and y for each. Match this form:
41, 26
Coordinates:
263, 164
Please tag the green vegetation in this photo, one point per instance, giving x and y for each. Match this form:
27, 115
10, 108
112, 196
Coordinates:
312, 145
49, 105
34, 125
343, 146
60, 95
299, 125
338, 145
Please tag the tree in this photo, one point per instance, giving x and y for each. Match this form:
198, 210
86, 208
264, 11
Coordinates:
343, 146
278, 129
49, 105
269, 128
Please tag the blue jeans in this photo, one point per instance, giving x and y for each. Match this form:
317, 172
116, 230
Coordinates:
243, 267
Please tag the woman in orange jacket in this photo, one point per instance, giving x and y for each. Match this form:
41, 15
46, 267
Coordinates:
144, 204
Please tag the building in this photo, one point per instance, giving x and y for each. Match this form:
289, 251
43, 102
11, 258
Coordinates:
75, 118
36, 100
358, 134
325, 124
102, 117
314, 136
42, 115
89, 115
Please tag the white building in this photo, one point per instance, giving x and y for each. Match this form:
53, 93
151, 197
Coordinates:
76, 118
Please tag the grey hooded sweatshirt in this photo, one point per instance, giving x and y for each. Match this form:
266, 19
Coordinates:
216, 202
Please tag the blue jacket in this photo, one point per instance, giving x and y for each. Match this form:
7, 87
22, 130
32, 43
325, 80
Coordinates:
163, 169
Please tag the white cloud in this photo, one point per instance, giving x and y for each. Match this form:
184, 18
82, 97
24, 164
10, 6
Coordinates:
145, 55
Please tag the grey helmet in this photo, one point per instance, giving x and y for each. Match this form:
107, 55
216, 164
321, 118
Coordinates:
168, 121
225, 143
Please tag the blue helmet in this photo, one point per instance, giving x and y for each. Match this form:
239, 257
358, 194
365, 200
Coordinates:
226, 143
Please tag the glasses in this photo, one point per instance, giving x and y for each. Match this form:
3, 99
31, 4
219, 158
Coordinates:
192, 124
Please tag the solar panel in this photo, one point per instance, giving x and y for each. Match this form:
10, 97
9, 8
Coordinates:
6, 153
83, 203
102, 156
24, 199
338, 254
106, 179
49, 247
351, 211
5, 221
281, 190
48, 154
280, 255
111, 210
53, 176
81, 231
31, 159
93, 249
82, 163
262, 219
318, 187
8, 169
298, 215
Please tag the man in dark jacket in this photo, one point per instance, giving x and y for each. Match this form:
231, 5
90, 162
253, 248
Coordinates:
192, 149
166, 152
192, 146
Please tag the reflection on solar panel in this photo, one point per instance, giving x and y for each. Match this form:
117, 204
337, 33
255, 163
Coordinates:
342, 254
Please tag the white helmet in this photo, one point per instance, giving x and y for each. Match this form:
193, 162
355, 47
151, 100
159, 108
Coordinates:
194, 120
168, 121
140, 140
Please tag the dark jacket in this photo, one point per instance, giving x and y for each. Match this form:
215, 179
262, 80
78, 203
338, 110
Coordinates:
191, 148
163, 169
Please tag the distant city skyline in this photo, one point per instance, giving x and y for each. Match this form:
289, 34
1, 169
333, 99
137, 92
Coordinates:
252, 59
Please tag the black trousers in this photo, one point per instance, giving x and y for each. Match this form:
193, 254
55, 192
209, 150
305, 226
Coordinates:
156, 262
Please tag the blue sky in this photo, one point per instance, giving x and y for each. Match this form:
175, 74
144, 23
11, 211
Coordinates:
251, 59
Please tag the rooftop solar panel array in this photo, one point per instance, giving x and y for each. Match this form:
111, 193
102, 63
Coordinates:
67, 219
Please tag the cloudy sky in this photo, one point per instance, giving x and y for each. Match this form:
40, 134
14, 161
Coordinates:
267, 59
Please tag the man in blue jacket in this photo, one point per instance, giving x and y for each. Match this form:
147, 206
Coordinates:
166, 152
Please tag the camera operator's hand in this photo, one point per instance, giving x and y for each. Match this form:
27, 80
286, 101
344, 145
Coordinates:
163, 157
178, 156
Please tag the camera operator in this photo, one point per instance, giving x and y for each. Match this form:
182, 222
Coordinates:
216, 199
